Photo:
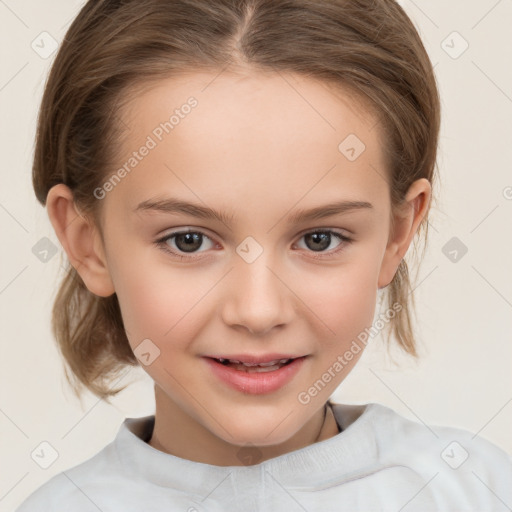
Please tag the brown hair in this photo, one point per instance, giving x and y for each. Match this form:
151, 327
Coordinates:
369, 47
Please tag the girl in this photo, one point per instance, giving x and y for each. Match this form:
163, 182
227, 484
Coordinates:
234, 181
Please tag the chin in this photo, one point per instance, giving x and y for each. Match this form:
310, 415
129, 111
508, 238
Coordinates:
257, 433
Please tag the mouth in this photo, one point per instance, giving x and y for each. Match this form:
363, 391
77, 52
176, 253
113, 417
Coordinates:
253, 375
253, 367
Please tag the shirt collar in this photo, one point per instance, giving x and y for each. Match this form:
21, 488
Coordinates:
341, 457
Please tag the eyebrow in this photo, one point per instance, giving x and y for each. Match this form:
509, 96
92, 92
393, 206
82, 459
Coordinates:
172, 205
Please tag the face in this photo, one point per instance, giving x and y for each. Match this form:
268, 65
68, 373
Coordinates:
260, 278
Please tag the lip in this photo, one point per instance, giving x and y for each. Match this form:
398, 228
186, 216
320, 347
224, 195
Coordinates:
256, 383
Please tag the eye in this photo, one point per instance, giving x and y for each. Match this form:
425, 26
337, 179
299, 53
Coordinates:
183, 242
320, 240
188, 242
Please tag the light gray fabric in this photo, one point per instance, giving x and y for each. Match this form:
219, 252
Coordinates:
380, 461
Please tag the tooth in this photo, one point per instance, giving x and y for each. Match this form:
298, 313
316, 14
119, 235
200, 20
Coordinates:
270, 363
261, 369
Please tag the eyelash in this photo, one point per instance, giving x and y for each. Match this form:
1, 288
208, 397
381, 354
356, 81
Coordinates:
161, 243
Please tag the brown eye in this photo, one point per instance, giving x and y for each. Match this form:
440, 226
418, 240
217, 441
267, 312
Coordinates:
182, 242
188, 242
321, 240
318, 241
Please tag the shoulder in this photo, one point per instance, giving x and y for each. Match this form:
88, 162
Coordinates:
457, 467
80, 487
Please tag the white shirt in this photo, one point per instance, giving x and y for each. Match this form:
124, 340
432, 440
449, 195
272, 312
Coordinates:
379, 461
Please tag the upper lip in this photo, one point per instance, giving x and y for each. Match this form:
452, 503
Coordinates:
255, 358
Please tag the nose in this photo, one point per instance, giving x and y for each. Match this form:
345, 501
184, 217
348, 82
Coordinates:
256, 296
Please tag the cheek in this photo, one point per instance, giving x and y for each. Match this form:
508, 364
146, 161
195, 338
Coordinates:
160, 303
343, 301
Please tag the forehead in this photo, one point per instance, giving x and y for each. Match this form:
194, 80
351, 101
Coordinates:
273, 135
260, 99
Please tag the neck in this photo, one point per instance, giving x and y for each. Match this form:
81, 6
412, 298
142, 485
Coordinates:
177, 433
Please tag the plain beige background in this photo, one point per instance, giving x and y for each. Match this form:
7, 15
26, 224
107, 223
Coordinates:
464, 377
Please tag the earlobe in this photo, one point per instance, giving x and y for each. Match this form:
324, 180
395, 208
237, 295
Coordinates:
406, 225
80, 239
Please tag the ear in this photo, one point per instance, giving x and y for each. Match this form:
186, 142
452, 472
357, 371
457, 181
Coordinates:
81, 240
407, 221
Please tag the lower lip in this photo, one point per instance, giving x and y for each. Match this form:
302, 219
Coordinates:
256, 383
